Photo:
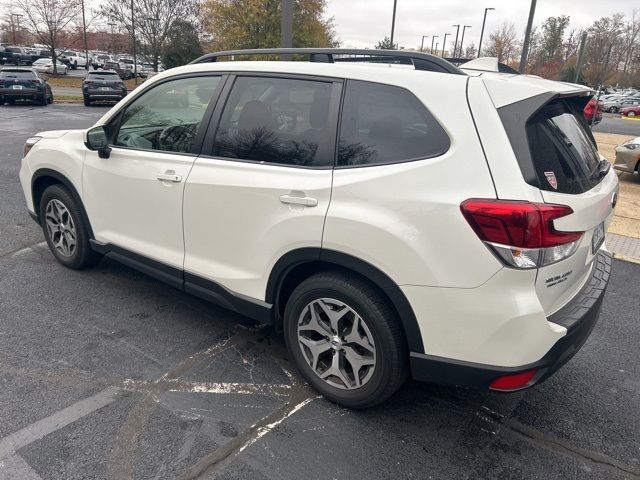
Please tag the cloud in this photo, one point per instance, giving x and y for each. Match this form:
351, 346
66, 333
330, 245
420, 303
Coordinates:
362, 23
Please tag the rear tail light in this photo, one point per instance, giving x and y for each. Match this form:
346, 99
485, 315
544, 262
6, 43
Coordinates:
516, 381
521, 233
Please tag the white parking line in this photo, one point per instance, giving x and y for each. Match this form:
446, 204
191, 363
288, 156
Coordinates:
15, 468
60, 419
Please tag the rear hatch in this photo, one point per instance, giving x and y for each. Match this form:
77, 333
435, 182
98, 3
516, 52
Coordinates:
105, 81
19, 81
569, 171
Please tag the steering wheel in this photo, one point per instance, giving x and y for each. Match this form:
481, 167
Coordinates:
131, 139
174, 137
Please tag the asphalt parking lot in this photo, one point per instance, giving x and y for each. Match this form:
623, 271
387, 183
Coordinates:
106, 373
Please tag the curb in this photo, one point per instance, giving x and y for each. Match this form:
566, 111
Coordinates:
626, 258
631, 119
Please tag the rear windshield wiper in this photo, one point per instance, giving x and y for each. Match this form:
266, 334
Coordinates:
602, 170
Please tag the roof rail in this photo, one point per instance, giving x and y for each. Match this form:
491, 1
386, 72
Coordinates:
420, 61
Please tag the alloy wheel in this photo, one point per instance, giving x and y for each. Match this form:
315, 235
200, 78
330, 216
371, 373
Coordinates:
336, 343
61, 228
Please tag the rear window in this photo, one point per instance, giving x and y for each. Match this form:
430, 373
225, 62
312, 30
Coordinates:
102, 74
383, 124
14, 74
564, 155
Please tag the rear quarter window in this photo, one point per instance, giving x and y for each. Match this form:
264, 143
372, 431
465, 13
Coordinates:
384, 124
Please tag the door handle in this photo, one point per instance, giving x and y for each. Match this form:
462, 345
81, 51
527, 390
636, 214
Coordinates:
304, 201
169, 176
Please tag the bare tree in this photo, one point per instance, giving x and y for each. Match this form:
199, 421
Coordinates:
154, 20
503, 43
47, 21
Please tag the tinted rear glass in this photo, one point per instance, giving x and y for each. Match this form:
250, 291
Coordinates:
108, 75
564, 155
13, 74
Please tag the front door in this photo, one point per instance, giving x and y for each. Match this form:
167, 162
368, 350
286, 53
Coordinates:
134, 197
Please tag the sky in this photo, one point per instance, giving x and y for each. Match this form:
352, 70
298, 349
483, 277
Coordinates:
362, 23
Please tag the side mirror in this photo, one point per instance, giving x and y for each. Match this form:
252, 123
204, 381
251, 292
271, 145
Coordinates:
96, 139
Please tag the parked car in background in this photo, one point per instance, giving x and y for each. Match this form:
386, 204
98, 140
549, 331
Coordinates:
101, 85
613, 105
14, 55
593, 111
628, 156
123, 73
630, 111
389, 221
99, 60
73, 59
23, 84
45, 65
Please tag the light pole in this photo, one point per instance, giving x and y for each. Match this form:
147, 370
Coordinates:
422, 44
464, 29
527, 38
444, 43
112, 25
484, 20
433, 40
133, 34
393, 21
14, 28
455, 46
84, 36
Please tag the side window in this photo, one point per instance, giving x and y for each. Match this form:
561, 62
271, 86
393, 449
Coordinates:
277, 120
167, 117
386, 124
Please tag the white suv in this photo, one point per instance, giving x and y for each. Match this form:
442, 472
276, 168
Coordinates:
429, 221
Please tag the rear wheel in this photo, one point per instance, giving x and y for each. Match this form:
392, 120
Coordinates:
87, 102
345, 339
65, 230
631, 114
43, 100
613, 109
75, 65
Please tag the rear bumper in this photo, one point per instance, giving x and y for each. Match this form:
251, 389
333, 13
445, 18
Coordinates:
579, 317
24, 93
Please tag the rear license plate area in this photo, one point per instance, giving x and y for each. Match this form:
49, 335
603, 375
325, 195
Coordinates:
598, 238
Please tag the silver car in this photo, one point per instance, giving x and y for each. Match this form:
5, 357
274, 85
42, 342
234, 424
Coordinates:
614, 105
628, 156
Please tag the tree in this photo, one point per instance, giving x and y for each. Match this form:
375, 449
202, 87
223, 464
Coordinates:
470, 51
240, 24
183, 44
385, 44
154, 20
503, 43
47, 21
552, 37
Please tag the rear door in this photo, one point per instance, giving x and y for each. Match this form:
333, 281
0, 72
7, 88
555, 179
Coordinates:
265, 187
570, 172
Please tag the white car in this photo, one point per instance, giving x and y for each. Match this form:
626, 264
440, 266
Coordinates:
45, 65
391, 222
73, 59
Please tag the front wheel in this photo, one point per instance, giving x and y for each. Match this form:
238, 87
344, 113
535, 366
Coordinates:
65, 230
631, 114
345, 339
613, 109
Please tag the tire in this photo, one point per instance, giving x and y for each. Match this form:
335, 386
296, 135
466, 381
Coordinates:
87, 102
631, 114
44, 100
75, 65
613, 109
57, 204
386, 358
